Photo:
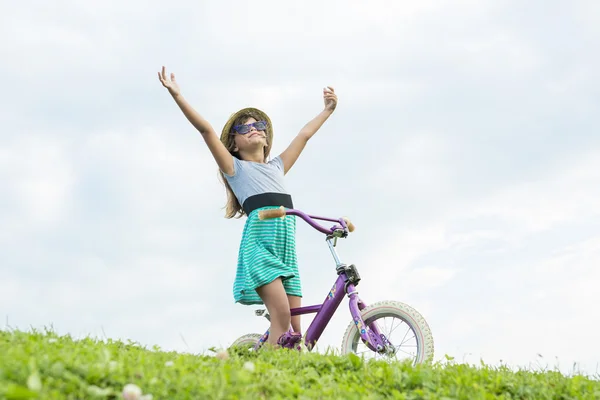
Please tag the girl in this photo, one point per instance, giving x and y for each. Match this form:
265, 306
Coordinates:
267, 270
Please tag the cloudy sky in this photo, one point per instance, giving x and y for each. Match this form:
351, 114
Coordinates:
465, 147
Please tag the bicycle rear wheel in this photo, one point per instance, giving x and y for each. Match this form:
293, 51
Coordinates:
246, 342
415, 334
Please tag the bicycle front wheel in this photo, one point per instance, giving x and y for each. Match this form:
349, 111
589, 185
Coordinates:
404, 327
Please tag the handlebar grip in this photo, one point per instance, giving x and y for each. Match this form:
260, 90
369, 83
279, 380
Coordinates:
349, 223
272, 213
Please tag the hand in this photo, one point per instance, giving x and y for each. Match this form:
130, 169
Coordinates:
330, 98
170, 84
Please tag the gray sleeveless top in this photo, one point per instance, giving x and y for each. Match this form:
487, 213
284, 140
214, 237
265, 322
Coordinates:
251, 179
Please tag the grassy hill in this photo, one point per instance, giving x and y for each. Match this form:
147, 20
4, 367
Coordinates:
42, 365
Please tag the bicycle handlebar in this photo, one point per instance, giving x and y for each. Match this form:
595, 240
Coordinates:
281, 212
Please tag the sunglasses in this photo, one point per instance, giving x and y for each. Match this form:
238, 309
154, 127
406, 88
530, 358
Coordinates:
244, 129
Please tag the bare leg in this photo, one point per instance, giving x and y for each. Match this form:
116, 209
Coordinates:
295, 302
275, 299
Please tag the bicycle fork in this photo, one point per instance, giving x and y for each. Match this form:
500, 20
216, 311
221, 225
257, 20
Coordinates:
369, 334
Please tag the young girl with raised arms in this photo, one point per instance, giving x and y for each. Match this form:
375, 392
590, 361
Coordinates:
267, 270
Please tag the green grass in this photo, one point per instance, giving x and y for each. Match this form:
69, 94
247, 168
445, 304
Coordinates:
42, 365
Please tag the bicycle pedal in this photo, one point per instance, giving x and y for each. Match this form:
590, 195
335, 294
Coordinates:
289, 339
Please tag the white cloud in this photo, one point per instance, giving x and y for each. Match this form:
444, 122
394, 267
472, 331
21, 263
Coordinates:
419, 166
568, 195
37, 178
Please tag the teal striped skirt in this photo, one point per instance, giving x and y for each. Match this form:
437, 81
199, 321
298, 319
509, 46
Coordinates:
267, 251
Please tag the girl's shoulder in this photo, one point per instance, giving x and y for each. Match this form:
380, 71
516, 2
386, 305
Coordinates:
276, 162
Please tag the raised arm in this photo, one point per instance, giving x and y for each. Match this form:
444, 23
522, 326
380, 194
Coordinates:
220, 153
291, 154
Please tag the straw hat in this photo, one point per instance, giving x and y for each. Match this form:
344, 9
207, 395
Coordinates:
257, 115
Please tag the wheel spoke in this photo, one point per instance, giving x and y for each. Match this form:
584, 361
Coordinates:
412, 355
406, 334
404, 341
401, 322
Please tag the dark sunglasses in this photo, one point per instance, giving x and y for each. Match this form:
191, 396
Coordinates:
244, 129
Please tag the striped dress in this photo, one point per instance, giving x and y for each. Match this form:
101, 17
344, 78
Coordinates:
267, 251
268, 247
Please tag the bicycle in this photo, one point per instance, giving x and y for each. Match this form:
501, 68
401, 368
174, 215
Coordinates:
363, 327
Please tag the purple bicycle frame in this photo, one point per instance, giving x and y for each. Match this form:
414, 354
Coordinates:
342, 286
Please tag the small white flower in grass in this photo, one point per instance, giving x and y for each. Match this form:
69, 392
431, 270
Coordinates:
146, 397
132, 392
249, 366
52, 340
222, 355
34, 382
169, 364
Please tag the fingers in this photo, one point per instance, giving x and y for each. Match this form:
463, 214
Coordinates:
329, 97
162, 76
329, 94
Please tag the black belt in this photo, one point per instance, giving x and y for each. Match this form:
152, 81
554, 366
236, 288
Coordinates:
267, 199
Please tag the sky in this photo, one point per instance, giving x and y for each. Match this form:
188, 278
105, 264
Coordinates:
465, 148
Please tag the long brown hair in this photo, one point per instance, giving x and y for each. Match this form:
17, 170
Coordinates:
233, 208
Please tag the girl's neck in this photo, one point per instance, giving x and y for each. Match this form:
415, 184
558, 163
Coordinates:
254, 156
